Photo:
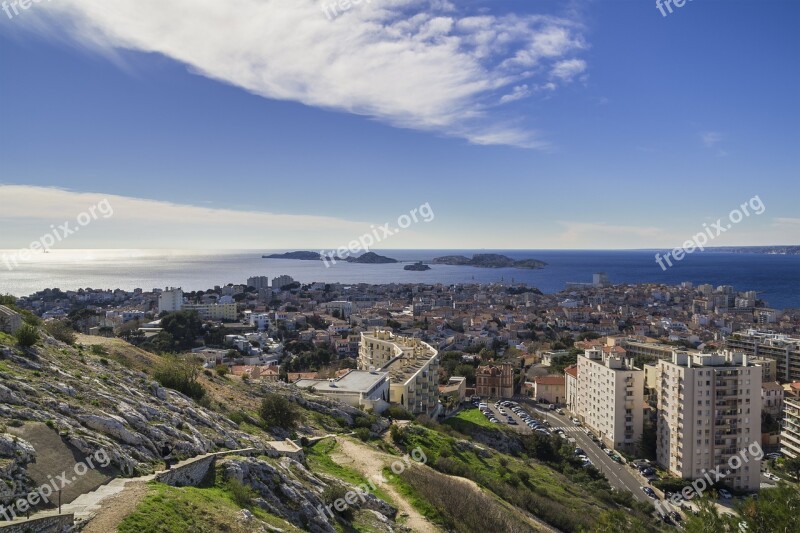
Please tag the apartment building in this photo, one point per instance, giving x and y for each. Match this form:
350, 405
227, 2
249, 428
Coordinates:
790, 432
357, 388
784, 350
494, 381
652, 350
610, 398
170, 300
214, 311
412, 367
709, 410
281, 281
258, 282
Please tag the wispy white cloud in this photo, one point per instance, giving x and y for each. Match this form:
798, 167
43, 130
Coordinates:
567, 70
710, 138
419, 64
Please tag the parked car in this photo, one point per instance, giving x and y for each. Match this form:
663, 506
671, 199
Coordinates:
650, 492
724, 494
551, 407
579, 451
773, 477
560, 411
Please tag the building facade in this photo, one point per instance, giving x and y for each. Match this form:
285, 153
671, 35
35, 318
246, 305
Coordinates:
610, 398
495, 381
170, 300
571, 388
709, 410
790, 430
412, 366
549, 389
784, 350
214, 311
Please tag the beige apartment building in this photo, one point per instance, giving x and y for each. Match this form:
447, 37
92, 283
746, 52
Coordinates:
610, 398
790, 432
214, 311
412, 367
709, 410
784, 350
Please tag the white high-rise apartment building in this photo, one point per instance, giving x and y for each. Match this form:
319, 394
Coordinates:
709, 410
258, 282
170, 300
610, 398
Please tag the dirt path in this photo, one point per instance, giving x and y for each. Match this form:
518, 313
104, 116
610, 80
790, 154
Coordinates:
116, 508
371, 463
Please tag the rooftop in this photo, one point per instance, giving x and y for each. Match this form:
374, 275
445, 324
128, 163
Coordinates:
353, 381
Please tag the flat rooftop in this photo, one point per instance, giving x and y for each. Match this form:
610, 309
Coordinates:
353, 381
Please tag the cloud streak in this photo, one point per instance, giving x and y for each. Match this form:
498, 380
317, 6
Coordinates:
420, 64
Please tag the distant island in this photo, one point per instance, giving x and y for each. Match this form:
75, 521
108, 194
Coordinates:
766, 250
371, 258
419, 266
302, 256
489, 261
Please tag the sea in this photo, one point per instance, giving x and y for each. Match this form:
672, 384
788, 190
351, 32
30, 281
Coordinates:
776, 278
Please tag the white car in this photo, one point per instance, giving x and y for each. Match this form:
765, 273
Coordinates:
773, 477
724, 494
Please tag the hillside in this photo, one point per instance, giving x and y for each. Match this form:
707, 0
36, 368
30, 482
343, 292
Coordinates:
101, 394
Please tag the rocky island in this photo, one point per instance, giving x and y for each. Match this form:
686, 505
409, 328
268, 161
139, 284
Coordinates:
489, 261
370, 258
302, 256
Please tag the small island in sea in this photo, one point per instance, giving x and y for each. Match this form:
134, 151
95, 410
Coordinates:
302, 256
370, 258
419, 266
489, 261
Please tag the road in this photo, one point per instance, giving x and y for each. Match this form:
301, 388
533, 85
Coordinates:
619, 476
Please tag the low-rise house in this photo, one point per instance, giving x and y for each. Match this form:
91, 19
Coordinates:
357, 388
10, 321
549, 389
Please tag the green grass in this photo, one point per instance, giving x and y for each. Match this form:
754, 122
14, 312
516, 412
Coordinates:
4, 367
7, 339
176, 510
466, 421
318, 457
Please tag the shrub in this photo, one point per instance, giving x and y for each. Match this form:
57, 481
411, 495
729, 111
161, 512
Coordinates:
363, 434
61, 330
27, 336
399, 413
181, 376
241, 493
222, 370
277, 411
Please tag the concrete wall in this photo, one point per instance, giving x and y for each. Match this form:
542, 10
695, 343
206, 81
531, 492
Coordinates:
188, 475
48, 524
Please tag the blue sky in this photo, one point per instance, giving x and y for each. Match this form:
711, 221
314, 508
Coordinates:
523, 124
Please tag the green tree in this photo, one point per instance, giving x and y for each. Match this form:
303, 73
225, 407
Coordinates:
61, 330
277, 411
27, 336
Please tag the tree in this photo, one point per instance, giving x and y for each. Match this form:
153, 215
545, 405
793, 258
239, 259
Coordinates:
61, 330
277, 411
793, 467
27, 336
180, 375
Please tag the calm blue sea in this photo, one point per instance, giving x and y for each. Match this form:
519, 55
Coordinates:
775, 277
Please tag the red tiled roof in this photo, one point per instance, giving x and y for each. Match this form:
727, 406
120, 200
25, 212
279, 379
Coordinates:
549, 380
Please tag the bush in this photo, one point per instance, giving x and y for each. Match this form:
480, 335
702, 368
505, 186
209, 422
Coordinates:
363, 434
399, 413
27, 336
242, 494
277, 411
61, 330
181, 376
222, 370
